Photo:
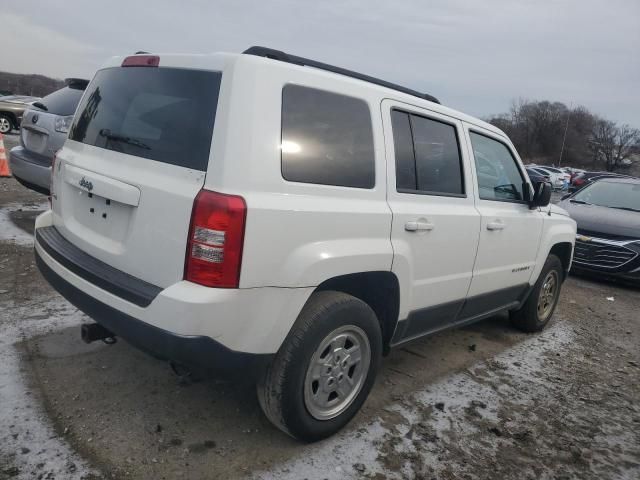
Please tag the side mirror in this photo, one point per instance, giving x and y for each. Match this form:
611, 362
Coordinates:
542, 195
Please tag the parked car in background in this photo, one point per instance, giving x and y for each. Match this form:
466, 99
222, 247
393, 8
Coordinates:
535, 176
558, 179
268, 215
583, 179
607, 212
12, 108
44, 130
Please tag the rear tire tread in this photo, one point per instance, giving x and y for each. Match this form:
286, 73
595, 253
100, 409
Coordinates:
271, 384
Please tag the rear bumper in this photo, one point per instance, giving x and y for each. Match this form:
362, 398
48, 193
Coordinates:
33, 171
200, 353
220, 330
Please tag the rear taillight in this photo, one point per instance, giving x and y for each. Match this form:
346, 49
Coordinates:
216, 236
141, 61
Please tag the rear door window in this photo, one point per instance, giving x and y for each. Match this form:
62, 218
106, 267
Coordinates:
327, 138
162, 114
428, 159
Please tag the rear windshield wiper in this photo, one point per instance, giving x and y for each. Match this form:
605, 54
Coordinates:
580, 202
106, 133
40, 105
630, 209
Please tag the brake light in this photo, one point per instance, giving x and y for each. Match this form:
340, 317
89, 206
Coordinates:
141, 61
216, 237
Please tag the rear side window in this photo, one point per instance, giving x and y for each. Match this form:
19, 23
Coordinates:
64, 101
498, 175
162, 114
428, 156
327, 138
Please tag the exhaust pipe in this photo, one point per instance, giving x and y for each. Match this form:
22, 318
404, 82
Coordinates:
90, 332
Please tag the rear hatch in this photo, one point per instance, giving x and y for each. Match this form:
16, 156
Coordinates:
44, 130
136, 158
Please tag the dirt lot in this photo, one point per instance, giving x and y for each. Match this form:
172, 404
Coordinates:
482, 402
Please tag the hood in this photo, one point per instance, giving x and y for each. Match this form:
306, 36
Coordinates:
557, 210
610, 221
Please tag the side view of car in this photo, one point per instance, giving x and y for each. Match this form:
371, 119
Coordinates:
306, 220
583, 179
559, 180
12, 108
537, 177
44, 129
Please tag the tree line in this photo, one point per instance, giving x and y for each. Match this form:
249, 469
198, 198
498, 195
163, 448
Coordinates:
552, 133
28, 84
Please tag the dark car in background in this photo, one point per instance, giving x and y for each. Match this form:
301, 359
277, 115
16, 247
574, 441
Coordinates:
12, 108
607, 212
583, 179
43, 132
536, 176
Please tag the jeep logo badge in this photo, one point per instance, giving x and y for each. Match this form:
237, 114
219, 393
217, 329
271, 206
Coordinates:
86, 184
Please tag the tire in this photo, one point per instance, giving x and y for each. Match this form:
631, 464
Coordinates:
531, 318
6, 124
290, 397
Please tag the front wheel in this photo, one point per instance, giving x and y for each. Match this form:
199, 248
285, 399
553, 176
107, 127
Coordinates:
536, 312
325, 369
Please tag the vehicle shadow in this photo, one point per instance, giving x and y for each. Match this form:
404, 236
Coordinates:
127, 412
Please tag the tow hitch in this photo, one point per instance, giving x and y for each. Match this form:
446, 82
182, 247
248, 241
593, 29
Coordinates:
90, 332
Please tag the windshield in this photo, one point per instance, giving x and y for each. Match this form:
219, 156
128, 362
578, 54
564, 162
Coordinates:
611, 194
162, 114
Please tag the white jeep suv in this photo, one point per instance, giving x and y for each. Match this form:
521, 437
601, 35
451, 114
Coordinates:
264, 215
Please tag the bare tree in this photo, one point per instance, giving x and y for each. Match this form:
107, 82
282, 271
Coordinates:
612, 143
602, 142
626, 140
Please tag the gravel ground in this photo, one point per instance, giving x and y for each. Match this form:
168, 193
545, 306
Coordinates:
481, 402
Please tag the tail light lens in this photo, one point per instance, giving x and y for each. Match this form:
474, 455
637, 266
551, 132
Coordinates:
216, 237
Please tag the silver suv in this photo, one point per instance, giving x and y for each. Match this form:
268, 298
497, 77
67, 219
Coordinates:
43, 131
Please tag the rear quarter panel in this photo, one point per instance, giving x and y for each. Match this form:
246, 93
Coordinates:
297, 234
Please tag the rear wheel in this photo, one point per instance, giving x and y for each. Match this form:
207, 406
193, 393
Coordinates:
539, 307
325, 369
6, 125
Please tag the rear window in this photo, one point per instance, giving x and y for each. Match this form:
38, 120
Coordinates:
64, 101
163, 114
327, 138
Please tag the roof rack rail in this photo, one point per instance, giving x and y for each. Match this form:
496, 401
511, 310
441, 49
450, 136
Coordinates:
285, 57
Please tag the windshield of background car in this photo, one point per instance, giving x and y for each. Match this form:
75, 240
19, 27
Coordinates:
162, 114
611, 194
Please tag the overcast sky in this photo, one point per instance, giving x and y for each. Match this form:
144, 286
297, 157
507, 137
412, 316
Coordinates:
475, 56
